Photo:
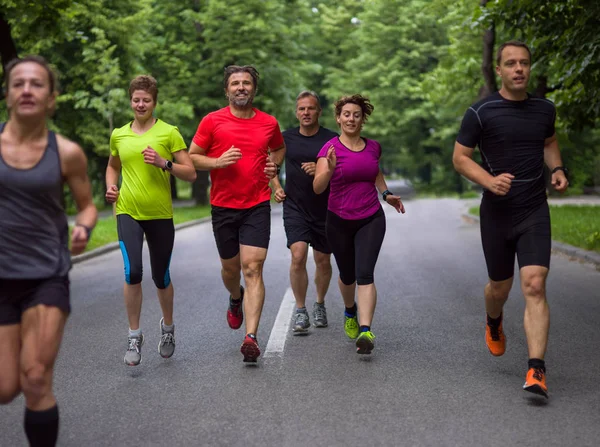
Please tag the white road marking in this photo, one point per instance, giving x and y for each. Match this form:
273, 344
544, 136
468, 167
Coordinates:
279, 332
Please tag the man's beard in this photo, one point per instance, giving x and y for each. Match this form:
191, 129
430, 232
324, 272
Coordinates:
242, 102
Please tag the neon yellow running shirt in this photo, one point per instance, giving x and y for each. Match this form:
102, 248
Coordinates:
145, 192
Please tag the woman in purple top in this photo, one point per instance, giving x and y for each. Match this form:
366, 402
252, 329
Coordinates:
355, 219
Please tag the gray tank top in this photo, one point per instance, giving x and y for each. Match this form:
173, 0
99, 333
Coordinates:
33, 225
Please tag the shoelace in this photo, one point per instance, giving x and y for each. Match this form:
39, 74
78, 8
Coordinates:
134, 344
301, 317
495, 332
319, 313
538, 374
167, 338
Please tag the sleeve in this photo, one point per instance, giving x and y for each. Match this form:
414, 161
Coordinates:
324, 149
114, 150
277, 138
470, 129
176, 142
203, 136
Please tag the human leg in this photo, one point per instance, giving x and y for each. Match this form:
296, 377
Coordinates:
42, 331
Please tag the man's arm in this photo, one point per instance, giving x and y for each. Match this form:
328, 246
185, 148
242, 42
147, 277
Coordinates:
553, 159
462, 159
202, 162
74, 171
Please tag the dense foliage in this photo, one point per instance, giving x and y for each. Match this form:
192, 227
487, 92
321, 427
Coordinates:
419, 61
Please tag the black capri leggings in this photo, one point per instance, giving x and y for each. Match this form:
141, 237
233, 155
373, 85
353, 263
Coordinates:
355, 245
160, 235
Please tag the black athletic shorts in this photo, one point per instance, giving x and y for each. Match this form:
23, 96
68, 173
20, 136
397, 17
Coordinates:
234, 227
18, 295
529, 239
298, 228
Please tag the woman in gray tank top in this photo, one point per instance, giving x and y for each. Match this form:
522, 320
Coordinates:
34, 243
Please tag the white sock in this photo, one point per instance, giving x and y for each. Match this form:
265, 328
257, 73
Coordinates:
168, 328
135, 333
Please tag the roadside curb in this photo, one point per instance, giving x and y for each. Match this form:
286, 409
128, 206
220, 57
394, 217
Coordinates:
569, 250
115, 245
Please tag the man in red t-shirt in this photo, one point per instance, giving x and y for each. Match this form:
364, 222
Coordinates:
242, 148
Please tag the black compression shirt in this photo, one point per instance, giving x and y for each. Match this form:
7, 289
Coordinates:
511, 136
299, 185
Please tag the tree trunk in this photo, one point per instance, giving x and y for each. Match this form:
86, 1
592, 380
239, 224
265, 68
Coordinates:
8, 50
542, 87
487, 64
200, 188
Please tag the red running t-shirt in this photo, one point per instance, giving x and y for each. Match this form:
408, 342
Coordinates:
243, 184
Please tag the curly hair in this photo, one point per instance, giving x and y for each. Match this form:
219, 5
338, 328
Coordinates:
361, 101
146, 83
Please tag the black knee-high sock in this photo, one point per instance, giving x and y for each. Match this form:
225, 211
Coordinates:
41, 427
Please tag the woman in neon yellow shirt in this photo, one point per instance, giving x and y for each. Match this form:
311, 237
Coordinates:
142, 151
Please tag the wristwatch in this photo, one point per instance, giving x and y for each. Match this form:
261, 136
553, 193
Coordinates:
168, 165
278, 168
561, 168
386, 193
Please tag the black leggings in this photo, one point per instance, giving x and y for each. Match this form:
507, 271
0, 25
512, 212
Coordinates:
160, 235
355, 245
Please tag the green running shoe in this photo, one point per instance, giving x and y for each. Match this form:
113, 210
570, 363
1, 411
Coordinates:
351, 326
365, 343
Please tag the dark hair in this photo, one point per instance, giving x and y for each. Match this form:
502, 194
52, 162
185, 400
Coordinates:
37, 60
364, 104
146, 83
308, 94
231, 69
511, 43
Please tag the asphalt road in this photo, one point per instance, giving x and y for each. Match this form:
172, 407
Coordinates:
430, 381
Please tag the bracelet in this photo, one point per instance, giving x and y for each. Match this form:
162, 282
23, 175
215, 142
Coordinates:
87, 229
386, 193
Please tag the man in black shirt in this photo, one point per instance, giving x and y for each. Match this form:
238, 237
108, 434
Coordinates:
516, 137
304, 212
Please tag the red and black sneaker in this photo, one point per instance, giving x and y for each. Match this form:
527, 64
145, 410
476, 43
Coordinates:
235, 313
250, 349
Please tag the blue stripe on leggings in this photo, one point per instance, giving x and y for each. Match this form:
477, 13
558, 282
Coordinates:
167, 274
126, 262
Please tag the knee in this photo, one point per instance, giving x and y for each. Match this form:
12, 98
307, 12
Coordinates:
497, 291
534, 287
298, 262
253, 270
323, 264
134, 276
35, 381
162, 282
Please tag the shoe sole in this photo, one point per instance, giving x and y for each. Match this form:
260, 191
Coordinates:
320, 325
494, 354
300, 331
364, 346
250, 353
160, 353
536, 389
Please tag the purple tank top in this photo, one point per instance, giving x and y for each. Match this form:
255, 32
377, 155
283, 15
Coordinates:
353, 193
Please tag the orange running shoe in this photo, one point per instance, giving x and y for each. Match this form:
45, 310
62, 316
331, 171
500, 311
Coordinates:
535, 382
495, 339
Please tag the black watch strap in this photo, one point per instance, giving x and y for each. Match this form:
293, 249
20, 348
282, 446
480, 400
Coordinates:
560, 168
386, 193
